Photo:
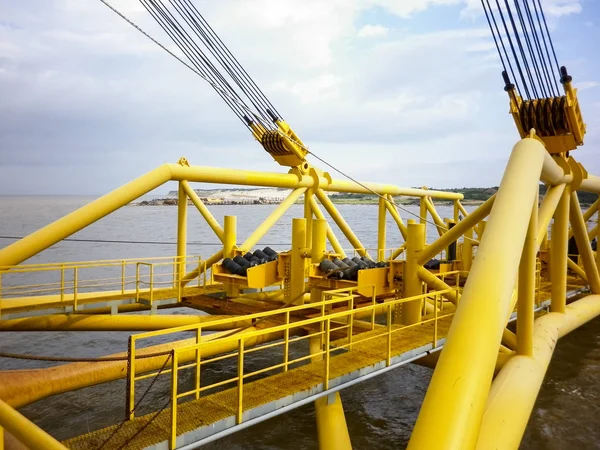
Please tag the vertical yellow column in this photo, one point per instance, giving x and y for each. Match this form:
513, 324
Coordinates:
415, 243
526, 299
467, 252
580, 232
456, 211
558, 253
181, 232
423, 214
331, 421
229, 243
317, 251
308, 215
229, 228
297, 261
381, 229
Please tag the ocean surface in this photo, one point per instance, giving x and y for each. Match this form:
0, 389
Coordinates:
380, 412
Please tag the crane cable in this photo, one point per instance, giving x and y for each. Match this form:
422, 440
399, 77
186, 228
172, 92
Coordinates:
285, 136
529, 40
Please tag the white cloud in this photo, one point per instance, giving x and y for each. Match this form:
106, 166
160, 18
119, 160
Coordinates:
582, 85
369, 31
80, 87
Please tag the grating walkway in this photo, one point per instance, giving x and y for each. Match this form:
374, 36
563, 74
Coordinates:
200, 418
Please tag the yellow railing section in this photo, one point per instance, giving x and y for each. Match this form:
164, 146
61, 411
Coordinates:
323, 325
70, 281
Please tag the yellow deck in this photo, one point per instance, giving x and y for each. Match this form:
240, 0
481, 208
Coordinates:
213, 408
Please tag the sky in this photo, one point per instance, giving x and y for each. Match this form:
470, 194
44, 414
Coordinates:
407, 92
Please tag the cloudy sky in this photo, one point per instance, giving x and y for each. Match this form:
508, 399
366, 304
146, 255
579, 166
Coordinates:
401, 91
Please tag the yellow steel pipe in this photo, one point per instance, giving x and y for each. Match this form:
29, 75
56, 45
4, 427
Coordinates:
476, 329
590, 184
331, 237
515, 389
210, 219
71, 223
25, 431
204, 174
546, 211
437, 284
398, 251
319, 236
583, 244
391, 207
341, 223
381, 229
332, 430
457, 231
264, 227
181, 233
22, 387
205, 266
297, 261
101, 322
558, 253
308, 215
578, 270
229, 236
413, 286
552, 173
526, 287
440, 225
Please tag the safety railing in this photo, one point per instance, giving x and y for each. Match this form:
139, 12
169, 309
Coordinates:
333, 319
74, 281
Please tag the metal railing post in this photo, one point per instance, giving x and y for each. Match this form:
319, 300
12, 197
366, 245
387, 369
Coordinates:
198, 356
389, 336
326, 358
130, 407
75, 281
62, 282
123, 277
174, 376
286, 339
240, 405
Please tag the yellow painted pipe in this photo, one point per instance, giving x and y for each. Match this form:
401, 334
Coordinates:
552, 173
526, 286
71, 223
210, 219
22, 387
413, 286
578, 270
476, 329
229, 236
440, 225
331, 237
437, 284
558, 253
509, 339
457, 231
308, 215
515, 389
396, 216
207, 265
467, 252
546, 211
99, 322
264, 227
204, 174
398, 251
26, 431
580, 231
590, 184
331, 421
381, 229
341, 223
297, 261
318, 244
181, 233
